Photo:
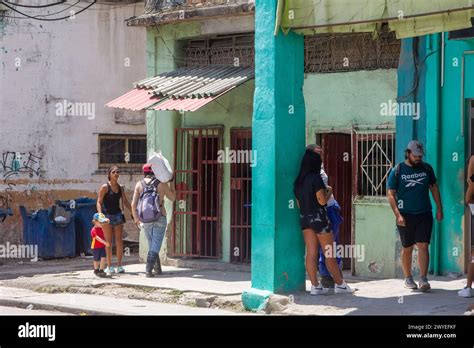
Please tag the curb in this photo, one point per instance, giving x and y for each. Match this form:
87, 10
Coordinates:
50, 307
168, 288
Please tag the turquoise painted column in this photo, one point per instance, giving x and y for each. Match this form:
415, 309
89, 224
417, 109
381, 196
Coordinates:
279, 139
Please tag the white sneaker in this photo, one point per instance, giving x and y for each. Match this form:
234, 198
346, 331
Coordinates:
344, 288
108, 271
466, 292
318, 290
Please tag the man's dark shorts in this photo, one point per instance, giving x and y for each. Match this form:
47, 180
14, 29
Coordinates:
98, 253
318, 221
417, 230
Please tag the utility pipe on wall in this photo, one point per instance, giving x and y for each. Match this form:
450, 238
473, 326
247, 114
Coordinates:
434, 48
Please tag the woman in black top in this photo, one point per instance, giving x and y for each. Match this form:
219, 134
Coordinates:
108, 202
312, 196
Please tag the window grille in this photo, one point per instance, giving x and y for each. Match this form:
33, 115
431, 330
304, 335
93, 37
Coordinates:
236, 50
328, 53
373, 158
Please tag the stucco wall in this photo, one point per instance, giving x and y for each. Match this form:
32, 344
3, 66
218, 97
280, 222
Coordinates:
337, 101
234, 110
446, 135
375, 232
333, 102
92, 59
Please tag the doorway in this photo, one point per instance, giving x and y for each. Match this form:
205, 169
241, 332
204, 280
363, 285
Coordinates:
240, 196
338, 166
196, 228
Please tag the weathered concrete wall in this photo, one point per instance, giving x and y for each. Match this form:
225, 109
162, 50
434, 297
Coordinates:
91, 59
375, 232
334, 102
444, 128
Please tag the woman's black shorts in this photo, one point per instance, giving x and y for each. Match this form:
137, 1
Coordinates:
318, 221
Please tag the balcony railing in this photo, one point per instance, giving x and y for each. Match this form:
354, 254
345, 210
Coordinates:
172, 5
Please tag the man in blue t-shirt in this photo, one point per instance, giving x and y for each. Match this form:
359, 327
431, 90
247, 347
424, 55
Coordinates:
408, 187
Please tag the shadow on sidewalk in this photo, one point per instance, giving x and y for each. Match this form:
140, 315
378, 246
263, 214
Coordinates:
434, 302
17, 269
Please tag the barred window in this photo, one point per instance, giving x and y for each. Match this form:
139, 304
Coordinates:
374, 156
123, 150
325, 53
235, 50
328, 53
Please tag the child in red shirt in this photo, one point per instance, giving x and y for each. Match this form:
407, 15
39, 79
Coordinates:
99, 244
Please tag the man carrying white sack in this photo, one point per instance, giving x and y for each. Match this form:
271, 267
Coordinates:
148, 209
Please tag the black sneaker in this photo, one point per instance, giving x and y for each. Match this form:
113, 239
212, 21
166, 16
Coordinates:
424, 284
102, 273
157, 267
96, 272
149, 274
410, 283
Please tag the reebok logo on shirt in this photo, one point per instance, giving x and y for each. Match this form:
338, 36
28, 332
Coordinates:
414, 179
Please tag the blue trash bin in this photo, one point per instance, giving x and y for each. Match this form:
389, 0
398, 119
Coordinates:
53, 240
84, 210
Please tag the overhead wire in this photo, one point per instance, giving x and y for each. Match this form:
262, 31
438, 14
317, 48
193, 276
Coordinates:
64, 9
34, 6
77, 6
45, 19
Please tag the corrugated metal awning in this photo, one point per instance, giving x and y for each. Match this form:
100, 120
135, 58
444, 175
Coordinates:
136, 99
186, 104
184, 89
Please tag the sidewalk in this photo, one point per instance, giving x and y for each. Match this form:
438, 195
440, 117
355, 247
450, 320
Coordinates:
82, 304
218, 290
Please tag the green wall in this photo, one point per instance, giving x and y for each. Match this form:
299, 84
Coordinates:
339, 100
333, 102
445, 132
233, 110
380, 241
452, 141
278, 127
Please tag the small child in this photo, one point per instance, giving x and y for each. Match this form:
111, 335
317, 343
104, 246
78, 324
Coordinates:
99, 244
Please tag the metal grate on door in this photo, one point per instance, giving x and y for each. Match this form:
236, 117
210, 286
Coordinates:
196, 228
240, 196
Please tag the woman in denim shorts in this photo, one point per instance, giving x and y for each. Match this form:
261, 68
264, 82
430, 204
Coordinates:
312, 196
111, 195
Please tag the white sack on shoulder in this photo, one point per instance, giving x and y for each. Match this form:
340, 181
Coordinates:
161, 167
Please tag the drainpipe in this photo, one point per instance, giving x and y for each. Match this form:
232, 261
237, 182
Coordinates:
437, 41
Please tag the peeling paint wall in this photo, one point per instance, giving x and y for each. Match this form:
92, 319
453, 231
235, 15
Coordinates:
46, 155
